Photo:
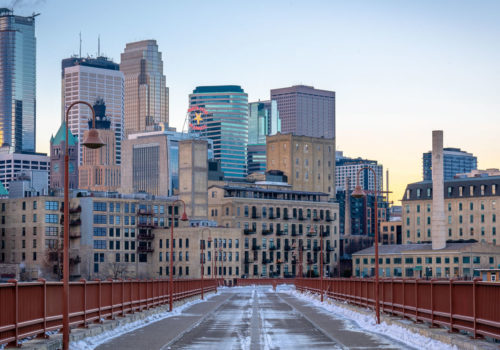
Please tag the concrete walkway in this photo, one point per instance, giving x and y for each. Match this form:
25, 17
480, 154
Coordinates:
251, 318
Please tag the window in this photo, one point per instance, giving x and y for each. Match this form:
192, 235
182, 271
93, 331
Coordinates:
99, 244
51, 205
99, 231
100, 219
51, 218
100, 206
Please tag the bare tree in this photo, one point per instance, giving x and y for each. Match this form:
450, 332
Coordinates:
117, 269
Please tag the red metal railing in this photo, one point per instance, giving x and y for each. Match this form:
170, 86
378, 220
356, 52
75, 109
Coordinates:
263, 281
33, 309
471, 306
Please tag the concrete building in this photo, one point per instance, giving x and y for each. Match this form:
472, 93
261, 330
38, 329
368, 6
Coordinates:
225, 122
391, 232
110, 234
92, 79
12, 164
146, 92
306, 111
278, 222
455, 161
57, 149
346, 170
307, 162
420, 260
17, 82
29, 183
99, 170
193, 177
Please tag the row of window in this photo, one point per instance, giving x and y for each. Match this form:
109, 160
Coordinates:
450, 191
460, 206
428, 260
482, 218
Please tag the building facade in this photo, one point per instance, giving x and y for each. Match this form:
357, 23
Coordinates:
346, 171
11, 164
420, 260
455, 161
110, 234
307, 162
90, 80
306, 111
146, 92
282, 228
226, 123
57, 150
17, 82
99, 170
471, 210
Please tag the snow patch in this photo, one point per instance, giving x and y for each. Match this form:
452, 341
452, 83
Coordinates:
367, 322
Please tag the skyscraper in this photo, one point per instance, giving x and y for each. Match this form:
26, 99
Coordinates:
146, 93
17, 81
455, 161
347, 168
263, 120
306, 111
226, 123
90, 79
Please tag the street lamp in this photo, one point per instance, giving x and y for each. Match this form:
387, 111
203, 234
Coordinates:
321, 262
183, 218
359, 193
212, 260
93, 142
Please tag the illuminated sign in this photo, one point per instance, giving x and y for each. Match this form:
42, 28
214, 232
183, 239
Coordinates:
196, 122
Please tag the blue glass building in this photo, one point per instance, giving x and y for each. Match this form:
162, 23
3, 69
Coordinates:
17, 81
226, 124
455, 161
263, 120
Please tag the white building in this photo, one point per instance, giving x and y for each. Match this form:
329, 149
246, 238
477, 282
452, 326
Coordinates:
12, 164
88, 79
347, 168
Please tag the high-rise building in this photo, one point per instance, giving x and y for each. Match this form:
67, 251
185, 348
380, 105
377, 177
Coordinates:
99, 171
455, 161
12, 164
306, 111
57, 149
226, 123
307, 162
263, 120
90, 79
347, 168
146, 92
17, 82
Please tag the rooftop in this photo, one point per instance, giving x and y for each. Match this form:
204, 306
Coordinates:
218, 88
421, 247
60, 136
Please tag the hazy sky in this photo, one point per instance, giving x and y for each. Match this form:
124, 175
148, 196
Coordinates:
399, 68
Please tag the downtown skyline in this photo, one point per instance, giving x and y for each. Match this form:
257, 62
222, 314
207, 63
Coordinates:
399, 70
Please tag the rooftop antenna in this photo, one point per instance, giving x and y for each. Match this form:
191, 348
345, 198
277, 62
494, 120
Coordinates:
80, 44
99, 45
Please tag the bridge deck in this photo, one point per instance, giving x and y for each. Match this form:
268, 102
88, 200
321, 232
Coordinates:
251, 318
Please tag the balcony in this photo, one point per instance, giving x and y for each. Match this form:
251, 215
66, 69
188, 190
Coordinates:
248, 231
294, 261
288, 248
267, 232
271, 217
147, 224
144, 212
145, 249
317, 249
330, 249
145, 236
267, 261
311, 234
255, 216
248, 261
256, 247
76, 222
301, 218
279, 261
272, 247
281, 233
325, 234
286, 217
328, 219
296, 234
316, 218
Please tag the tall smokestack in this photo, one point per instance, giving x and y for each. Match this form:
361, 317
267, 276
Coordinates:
437, 223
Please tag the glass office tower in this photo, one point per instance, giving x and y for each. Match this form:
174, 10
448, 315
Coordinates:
226, 123
263, 120
17, 81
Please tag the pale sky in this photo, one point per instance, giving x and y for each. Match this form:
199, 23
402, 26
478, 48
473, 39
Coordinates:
399, 68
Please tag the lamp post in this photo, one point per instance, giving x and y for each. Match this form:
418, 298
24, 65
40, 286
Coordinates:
212, 260
321, 262
93, 142
222, 264
359, 193
203, 258
183, 218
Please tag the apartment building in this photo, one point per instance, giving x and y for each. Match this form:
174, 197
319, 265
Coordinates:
471, 210
282, 228
420, 260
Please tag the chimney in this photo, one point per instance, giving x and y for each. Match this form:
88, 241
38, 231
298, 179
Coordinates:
438, 222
